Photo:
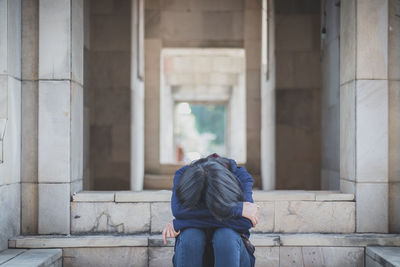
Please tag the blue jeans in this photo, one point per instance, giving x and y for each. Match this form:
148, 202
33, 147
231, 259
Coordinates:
229, 249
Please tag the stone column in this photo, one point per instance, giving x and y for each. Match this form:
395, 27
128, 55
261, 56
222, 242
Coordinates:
252, 45
394, 116
268, 96
364, 110
29, 121
60, 130
137, 97
10, 119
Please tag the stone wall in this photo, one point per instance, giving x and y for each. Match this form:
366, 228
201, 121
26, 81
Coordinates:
298, 103
330, 90
109, 94
197, 23
10, 120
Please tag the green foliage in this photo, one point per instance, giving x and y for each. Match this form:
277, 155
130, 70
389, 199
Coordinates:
210, 119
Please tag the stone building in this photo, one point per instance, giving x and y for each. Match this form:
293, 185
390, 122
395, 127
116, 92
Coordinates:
88, 91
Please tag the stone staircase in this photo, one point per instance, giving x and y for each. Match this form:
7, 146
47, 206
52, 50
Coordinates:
31, 258
297, 228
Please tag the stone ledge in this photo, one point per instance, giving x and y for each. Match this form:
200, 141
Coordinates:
386, 256
53, 241
9, 254
94, 196
35, 257
143, 196
165, 196
259, 240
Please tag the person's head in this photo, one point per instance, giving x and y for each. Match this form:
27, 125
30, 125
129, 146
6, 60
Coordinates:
208, 183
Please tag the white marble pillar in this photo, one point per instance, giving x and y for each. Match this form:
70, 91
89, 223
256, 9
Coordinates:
137, 96
60, 130
364, 110
268, 97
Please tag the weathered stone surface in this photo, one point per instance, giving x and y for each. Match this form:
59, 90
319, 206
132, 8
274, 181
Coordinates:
98, 257
394, 207
93, 196
372, 131
295, 32
372, 207
30, 40
386, 256
54, 241
372, 39
259, 240
321, 256
348, 41
54, 203
143, 196
36, 257
54, 131
55, 39
278, 195
29, 208
110, 217
266, 217
161, 257
10, 213
333, 197
8, 254
77, 40
347, 131
14, 38
10, 169
3, 37
304, 216
337, 240
394, 130
160, 215
267, 256
76, 134
29, 128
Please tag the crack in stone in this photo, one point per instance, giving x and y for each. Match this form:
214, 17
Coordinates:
104, 223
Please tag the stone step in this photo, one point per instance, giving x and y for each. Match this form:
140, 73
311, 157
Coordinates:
382, 257
271, 249
128, 212
31, 258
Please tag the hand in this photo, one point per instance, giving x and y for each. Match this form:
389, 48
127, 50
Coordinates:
170, 232
250, 211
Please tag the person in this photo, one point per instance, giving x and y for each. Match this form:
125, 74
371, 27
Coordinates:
214, 209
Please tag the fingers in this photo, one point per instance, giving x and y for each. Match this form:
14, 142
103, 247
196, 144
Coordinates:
164, 232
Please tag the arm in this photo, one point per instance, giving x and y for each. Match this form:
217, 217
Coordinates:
246, 183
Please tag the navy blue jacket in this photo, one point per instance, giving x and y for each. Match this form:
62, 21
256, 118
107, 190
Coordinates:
202, 218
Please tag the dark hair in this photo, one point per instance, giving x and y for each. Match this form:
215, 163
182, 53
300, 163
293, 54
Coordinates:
209, 183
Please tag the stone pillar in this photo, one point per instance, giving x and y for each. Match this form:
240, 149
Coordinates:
394, 116
10, 119
252, 45
364, 110
137, 96
60, 112
29, 122
268, 96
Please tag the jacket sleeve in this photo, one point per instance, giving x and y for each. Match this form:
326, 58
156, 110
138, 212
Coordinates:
241, 225
180, 212
246, 183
